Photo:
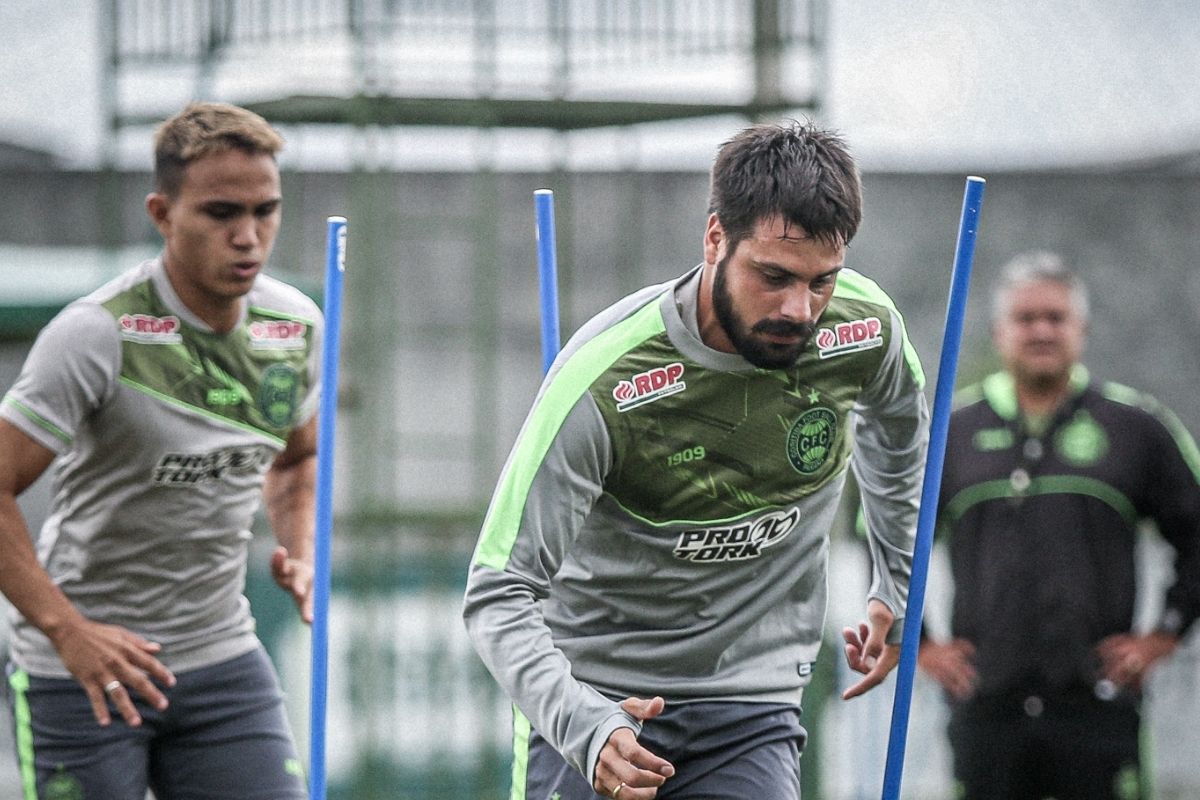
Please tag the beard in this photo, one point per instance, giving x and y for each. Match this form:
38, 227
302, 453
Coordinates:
747, 339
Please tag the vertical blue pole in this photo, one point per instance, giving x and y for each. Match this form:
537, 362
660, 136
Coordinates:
335, 267
543, 203
939, 426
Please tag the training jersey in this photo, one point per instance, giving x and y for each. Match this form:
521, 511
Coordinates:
1041, 524
661, 524
164, 431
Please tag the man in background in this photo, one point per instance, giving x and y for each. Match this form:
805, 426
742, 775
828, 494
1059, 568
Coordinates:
177, 397
1048, 475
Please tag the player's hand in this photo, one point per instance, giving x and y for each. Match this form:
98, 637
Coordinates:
867, 651
295, 576
951, 665
113, 664
1126, 658
625, 769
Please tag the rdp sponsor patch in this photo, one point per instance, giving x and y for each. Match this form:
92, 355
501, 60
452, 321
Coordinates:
849, 337
149, 329
277, 335
646, 387
810, 440
736, 542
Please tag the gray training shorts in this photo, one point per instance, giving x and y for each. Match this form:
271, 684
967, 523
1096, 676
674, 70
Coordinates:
720, 751
224, 735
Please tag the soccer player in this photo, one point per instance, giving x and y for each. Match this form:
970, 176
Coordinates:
176, 397
1048, 474
649, 584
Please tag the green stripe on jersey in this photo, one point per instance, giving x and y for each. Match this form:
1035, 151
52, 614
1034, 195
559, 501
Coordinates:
218, 418
855, 286
40, 421
520, 763
503, 521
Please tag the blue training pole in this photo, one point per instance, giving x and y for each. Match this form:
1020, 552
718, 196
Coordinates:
543, 203
964, 253
335, 268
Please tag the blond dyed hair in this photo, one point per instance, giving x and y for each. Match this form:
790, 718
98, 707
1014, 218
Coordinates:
204, 129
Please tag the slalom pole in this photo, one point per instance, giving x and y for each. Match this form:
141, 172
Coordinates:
335, 267
543, 203
968, 226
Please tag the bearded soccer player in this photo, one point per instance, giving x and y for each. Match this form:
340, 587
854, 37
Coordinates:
176, 397
649, 583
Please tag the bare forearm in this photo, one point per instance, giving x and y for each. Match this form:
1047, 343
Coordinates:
23, 580
290, 497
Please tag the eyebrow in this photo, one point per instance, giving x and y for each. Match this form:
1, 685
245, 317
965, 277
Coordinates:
218, 203
772, 265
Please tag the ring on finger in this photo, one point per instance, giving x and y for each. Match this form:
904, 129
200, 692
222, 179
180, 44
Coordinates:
617, 790
112, 686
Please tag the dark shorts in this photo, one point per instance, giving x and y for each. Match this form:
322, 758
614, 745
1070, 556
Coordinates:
224, 735
1073, 747
721, 751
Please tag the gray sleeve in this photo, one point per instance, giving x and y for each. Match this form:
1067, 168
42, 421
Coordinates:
70, 371
553, 476
890, 438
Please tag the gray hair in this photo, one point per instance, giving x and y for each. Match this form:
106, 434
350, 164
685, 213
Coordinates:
1033, 267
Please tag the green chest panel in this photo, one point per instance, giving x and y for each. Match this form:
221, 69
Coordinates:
255, 376
691, 443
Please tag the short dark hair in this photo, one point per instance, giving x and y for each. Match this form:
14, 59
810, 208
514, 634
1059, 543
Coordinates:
202, 129
794, 170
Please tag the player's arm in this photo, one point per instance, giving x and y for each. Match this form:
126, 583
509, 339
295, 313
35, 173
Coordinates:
1173, 501
891, 433
22, 579
70, 371
289, 495
96, 654
553, 477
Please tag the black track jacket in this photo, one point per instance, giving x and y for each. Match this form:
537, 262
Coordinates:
1041, 530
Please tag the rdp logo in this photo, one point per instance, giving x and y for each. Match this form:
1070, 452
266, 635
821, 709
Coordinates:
277, 335
648, 386
846, 337
151, 329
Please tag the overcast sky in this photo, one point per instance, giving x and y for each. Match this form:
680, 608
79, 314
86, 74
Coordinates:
916, 84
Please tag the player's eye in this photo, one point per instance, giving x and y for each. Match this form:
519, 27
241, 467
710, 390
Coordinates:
221, 212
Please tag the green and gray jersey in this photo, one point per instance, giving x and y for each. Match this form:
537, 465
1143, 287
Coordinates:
164, 431
661, 525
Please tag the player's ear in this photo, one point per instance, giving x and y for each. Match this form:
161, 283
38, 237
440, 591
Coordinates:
158, 207
714, 235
